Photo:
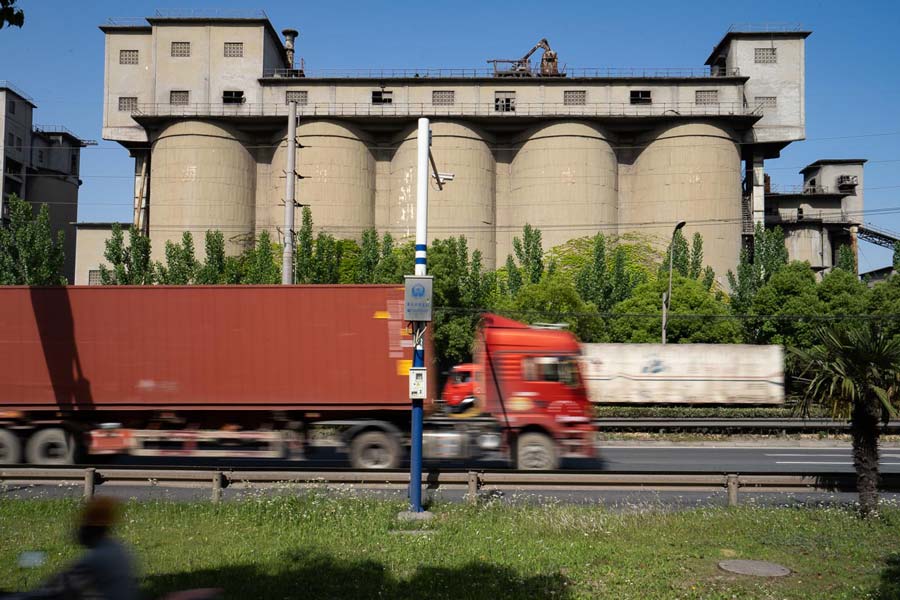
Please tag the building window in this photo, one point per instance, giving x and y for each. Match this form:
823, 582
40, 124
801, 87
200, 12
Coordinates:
504, 101
443, 97
764, 55
180, 97
767, 103
128, 103
94, 277
574, 97
234, 49
73, 167
40, 156
706, 97
18, 143
382, 97
232, 97
181, 49
12, 107
301, 97
641, 97
128, 57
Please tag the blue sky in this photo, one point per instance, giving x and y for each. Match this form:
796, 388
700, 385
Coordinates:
853, 60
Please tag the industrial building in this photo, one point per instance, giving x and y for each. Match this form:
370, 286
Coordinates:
41, 164
201, 103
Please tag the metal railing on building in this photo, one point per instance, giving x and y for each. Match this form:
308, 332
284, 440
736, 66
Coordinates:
418, 109
462, 72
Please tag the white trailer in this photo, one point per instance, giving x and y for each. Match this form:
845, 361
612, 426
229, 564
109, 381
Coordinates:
683, 373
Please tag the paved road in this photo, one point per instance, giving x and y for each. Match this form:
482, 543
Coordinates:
776, 458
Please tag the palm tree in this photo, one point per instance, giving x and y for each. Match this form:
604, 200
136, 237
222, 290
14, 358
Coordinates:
857, 371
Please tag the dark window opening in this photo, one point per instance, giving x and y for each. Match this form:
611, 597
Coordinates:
641, 97
382, 97
232, 97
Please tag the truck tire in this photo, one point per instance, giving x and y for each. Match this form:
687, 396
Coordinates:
10, 448
375, 450
536, 452
52, 446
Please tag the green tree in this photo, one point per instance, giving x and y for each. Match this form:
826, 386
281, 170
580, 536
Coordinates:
326, 264
846, 259
10, 15
28, 253
896, 262
387, 269
303, 254
513, 276
842, 293
181, 265
604, 282
530, 253
755, 269
261, 262
856, 370
786, 306
369, 255
350, 253
212, 271
554, 299
130, 263
696, 269
696, 315
681, 257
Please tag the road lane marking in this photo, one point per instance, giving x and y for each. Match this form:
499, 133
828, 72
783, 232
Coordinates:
809, 462
757, 448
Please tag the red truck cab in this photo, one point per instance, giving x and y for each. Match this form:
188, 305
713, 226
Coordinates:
528, 379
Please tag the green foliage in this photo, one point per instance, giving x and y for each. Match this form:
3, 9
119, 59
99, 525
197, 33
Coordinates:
896, 261
28, 253
788, 296
696, 268
681, 257
261, 264
181, 265
10, 15
769, 256
303, 252
602, 282
212, 271
368, 257
554, 300
513, 277
129, 263
388, 268
326, 263
641, 320
846, 260
530, 254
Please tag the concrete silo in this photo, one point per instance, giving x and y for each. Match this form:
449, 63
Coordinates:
201, 177
465, 206
338, 183
689, 172
564, 180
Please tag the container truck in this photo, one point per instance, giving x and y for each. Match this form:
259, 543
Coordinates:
251, 371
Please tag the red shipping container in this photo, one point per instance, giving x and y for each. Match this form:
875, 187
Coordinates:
343, 348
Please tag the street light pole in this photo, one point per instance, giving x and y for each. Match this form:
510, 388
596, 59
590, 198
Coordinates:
667, 297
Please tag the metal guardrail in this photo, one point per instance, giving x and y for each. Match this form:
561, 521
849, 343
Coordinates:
416, 109
730, 424
470, 72
476, 483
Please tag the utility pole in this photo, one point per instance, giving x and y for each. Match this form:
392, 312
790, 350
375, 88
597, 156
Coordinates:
423, 141
290, 174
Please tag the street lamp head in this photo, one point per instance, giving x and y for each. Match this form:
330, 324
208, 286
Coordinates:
680, 225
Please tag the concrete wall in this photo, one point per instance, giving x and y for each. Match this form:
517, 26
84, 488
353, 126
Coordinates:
127, 81
90, 246
61, 195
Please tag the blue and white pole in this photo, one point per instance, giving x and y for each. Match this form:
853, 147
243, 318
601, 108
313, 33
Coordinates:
415, 454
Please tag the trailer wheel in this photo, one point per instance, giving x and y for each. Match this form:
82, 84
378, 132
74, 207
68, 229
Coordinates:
375, 450
10, 448
536, 452
53, 446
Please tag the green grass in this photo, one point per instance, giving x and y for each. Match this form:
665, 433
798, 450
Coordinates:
318, 546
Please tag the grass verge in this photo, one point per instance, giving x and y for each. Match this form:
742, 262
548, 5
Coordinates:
319, 546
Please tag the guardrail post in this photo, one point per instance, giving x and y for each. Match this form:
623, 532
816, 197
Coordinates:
90, 479
217, 481
731, 482
474, 483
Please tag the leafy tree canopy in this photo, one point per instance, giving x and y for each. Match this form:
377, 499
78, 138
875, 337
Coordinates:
29, 254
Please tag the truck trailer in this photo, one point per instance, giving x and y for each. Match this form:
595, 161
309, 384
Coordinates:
251, 371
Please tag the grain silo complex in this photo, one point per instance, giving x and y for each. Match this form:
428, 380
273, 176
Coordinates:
202, 102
